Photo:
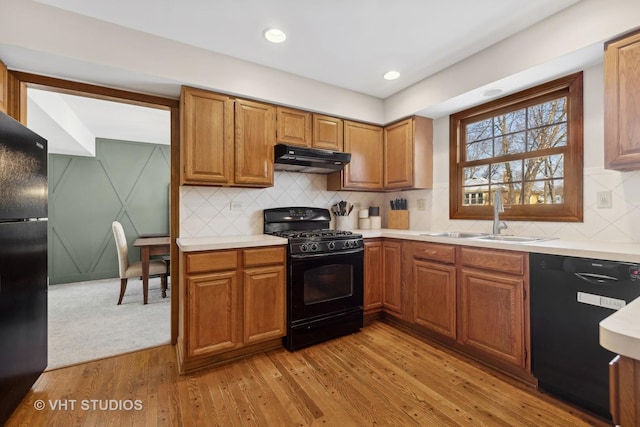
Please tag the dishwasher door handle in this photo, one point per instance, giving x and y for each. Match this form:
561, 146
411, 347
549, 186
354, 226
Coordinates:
597, 279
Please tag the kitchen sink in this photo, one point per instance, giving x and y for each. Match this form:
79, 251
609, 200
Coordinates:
512, 239
456, 234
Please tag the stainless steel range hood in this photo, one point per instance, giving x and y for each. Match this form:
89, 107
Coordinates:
308, 160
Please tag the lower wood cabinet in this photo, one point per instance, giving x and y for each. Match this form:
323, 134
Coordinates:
232, 303
373, 271
214, 321
382, 276
435, 297
264, 303
624, 391
433, 278
492, 303
392, 277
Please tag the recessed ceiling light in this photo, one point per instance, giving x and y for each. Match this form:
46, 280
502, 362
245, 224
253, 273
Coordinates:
274, 35
391, 75
492, 92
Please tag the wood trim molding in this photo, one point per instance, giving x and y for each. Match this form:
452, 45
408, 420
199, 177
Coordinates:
19, 81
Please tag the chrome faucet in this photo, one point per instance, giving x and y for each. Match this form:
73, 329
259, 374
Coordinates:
497, 209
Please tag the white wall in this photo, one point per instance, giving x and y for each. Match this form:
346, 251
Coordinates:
620, 223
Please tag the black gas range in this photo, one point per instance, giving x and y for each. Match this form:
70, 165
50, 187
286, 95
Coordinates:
324, 275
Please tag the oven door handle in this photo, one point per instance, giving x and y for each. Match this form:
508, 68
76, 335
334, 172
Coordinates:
324, 254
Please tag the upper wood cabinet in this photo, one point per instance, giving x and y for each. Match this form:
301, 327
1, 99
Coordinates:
328, 133
207, 137
408, 154
255, 138
226, 141
304, 129
294, 127
364, 172
4, 76
622, 112
397, 157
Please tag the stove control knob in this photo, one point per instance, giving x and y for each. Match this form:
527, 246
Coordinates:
303, 247
314, 247
331, 245
347, 243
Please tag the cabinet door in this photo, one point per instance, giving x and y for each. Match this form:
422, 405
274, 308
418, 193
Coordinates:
622, 114
207, 137
213, 313
294, 127
392, 283
264, 303
435, 297
373, 270
3, 87
255, 138
364, 142
492, 315
327, 133
398, 155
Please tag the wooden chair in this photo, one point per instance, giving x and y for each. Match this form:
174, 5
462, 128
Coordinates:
126, 270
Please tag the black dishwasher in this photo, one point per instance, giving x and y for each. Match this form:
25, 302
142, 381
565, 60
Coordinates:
569, 298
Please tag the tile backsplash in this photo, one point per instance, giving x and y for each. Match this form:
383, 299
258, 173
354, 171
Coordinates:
620, 223
207, 211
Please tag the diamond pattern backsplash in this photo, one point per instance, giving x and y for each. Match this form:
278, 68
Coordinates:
206, 211
619, 223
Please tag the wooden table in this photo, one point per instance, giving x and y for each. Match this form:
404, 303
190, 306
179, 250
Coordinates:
150, 246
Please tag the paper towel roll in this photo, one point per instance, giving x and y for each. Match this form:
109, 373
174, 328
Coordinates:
376, 222
363, 213
365, 223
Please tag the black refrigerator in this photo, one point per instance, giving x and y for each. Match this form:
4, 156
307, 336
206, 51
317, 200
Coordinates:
23, 262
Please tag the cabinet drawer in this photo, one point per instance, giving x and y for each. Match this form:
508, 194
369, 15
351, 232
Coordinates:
201, 262
263, 256
503, 261
434, 252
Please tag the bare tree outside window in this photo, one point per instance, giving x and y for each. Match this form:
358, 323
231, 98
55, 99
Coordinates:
528, 146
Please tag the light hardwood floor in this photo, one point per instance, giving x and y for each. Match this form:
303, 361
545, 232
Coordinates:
380, 376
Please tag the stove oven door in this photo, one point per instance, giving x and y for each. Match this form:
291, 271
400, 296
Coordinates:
324, 285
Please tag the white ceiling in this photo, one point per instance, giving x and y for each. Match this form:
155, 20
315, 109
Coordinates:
71, 124
349, 44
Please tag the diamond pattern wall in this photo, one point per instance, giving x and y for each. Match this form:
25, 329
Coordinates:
206, 211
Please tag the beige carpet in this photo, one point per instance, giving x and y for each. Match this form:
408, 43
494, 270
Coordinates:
85, 322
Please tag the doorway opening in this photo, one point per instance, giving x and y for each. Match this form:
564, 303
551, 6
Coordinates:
114, 180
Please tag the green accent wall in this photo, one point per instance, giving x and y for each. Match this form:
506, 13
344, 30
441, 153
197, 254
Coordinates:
127, 182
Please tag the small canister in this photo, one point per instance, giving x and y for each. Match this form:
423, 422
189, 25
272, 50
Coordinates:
376, 222
365, 223
363, 213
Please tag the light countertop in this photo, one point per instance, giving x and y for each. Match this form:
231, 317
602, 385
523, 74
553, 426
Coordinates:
612, 251
191, 244
620, 332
